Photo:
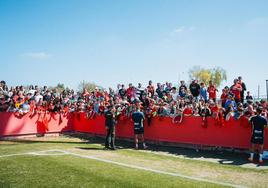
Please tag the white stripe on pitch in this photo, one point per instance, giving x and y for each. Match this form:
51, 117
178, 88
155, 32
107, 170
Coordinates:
42, 152
156, 171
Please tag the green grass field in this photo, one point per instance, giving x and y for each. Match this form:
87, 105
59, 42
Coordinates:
67, 161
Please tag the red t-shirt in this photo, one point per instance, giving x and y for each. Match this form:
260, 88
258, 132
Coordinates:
32, 106
101, 108
224, 97
214, 109
66, 109
99, 94
130, 92
212, 92
15, 98
188, 111
236, 90
85, 94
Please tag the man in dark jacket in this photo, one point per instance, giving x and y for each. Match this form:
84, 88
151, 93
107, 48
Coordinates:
195, 88
110, 127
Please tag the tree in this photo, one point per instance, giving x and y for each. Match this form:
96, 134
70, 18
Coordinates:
216, 75
59, 88
90, 86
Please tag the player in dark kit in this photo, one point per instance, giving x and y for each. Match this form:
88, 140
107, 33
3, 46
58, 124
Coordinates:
257, 139
138, 118
110, 127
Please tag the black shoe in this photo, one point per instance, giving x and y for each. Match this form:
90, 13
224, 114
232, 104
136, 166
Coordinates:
113, 148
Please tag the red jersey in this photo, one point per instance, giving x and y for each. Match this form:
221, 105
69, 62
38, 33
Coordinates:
214, 109
86, 94
188, 111
32, 106
66, 109
15, 98
224, 96
212, 92
99, 94
236, 90
130, 92
101, 108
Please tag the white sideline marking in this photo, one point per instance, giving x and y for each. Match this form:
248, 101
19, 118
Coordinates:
63, 152
43, 152
16, 154
156, 171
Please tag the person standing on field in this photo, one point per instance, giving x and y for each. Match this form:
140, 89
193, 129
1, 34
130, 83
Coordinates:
138, 119
110, 128
257, 138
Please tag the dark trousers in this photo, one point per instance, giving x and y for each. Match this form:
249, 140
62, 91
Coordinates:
242, 98
110, 137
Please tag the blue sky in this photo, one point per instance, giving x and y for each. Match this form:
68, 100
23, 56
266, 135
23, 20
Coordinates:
50, 41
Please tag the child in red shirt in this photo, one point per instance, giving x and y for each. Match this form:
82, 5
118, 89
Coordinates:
224, 95
188, 110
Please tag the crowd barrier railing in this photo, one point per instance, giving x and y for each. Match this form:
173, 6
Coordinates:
12, 124
233, 134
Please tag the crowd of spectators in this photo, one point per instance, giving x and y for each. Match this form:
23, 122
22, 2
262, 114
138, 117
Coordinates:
197, 99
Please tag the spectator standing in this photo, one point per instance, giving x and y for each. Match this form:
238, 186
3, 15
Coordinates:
47, 96
118, 89
203, 92
174, 93
182, 88
159, 90
236, 89
150, 89
2, 85
224, 95
139, 91
249, 97
44, 90
168, 87
130, 93
122, 91
31, 90
38, 97
195, 89
212, 91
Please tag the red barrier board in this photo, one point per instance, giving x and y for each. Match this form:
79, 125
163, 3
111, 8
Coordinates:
233, 134
12, 124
